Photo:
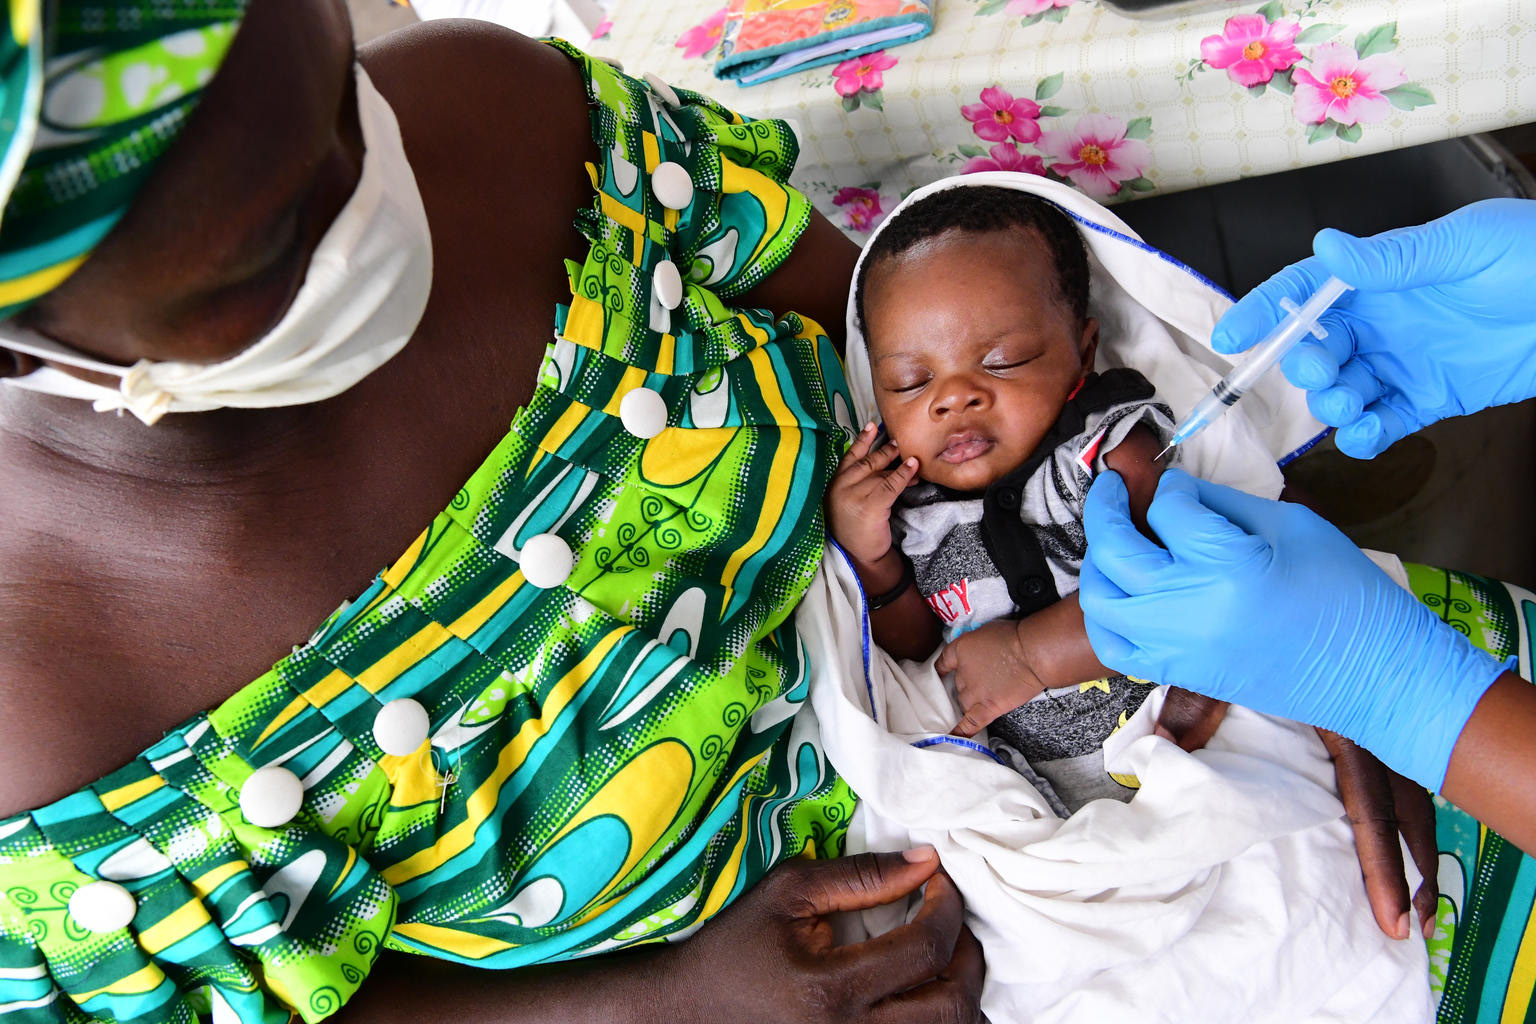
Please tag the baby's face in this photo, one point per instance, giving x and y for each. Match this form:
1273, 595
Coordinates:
973, 352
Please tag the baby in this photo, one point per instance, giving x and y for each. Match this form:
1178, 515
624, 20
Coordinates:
967, 523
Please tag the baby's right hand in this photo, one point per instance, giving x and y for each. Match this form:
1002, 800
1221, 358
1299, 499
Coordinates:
863, 490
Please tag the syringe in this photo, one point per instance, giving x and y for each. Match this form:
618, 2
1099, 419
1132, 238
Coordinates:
1298, 322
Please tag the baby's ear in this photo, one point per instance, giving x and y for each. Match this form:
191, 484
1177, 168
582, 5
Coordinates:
1088, 345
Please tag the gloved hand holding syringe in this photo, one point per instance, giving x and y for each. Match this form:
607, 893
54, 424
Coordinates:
1299, 322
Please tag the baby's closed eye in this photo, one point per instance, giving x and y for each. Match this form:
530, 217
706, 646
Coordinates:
995, 365
906, 382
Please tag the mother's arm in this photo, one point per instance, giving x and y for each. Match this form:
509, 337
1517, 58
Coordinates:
814, 280
770, 956
1494, 761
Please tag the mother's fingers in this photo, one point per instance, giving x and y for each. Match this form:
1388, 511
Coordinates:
1366, 792
910, 954
954, 997
1415, 810
855, 883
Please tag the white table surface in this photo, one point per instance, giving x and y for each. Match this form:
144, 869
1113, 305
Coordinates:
1455, 68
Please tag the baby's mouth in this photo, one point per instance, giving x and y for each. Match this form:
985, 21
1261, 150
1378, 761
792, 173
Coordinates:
964, 447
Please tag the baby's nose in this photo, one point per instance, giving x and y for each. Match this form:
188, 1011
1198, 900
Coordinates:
959, 394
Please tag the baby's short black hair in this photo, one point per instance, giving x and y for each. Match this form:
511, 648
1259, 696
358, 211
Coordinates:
982, 209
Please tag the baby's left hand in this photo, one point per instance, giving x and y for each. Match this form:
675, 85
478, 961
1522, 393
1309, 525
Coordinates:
992, 671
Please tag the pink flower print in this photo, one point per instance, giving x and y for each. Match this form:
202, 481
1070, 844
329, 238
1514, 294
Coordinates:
603, 28
1344, 86
703, 37
1252, 48
1028, 7
864, 73
1004, 157
863, 207
1095, 154
999, 116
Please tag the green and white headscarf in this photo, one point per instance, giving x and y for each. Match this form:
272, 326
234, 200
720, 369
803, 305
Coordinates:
92, 94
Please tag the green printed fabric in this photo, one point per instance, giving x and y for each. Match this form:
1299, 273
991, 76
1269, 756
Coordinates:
1483, 955
92, 94
611, 760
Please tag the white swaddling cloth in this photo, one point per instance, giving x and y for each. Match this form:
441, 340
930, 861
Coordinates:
1228, 889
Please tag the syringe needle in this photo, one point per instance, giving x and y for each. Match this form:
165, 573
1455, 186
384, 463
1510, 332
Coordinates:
1299, 321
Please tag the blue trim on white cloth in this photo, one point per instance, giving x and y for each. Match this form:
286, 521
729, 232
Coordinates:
1284, 460
960, 741
869, 687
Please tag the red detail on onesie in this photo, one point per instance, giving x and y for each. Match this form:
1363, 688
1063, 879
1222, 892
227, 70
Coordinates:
1090, 452
951, 602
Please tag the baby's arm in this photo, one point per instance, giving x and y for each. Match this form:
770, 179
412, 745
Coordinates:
1004, 663
859, 504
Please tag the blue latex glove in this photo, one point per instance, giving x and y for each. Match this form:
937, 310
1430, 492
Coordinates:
1442, 323
1266, 604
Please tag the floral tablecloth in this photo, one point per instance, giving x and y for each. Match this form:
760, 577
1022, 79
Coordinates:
1118, 106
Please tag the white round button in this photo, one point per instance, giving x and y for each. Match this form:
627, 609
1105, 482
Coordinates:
271, 797
672, 185
102, 907
668, 283
547, 560
613, 62
643, 412
663, 91
401, 726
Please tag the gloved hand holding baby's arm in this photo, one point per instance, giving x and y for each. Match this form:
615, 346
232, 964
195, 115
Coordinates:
1002, 664
1267, 605
1442, 322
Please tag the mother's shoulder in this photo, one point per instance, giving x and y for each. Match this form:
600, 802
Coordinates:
483, 86
497, 130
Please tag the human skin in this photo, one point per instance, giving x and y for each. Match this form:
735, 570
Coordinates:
281, 513
146, 573
973, 352
1494, 760
937, 317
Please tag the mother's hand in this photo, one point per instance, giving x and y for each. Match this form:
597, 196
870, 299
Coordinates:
771, 956
1381, 805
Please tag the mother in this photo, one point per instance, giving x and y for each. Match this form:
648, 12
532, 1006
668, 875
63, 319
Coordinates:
562, 722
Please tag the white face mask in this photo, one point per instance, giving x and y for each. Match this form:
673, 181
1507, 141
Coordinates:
361, 299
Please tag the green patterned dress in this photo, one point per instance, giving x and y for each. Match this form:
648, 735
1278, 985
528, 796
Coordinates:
610, 759
1483, 956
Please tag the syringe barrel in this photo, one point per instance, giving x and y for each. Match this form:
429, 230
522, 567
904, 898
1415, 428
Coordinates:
1201, 416
1284, 337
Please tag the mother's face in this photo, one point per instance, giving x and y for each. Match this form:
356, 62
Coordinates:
217, 243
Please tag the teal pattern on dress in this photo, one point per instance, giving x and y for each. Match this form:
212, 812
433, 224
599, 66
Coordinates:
1483, 955
92, 94
610, 760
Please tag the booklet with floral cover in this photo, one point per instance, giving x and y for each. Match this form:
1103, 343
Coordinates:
767, 39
